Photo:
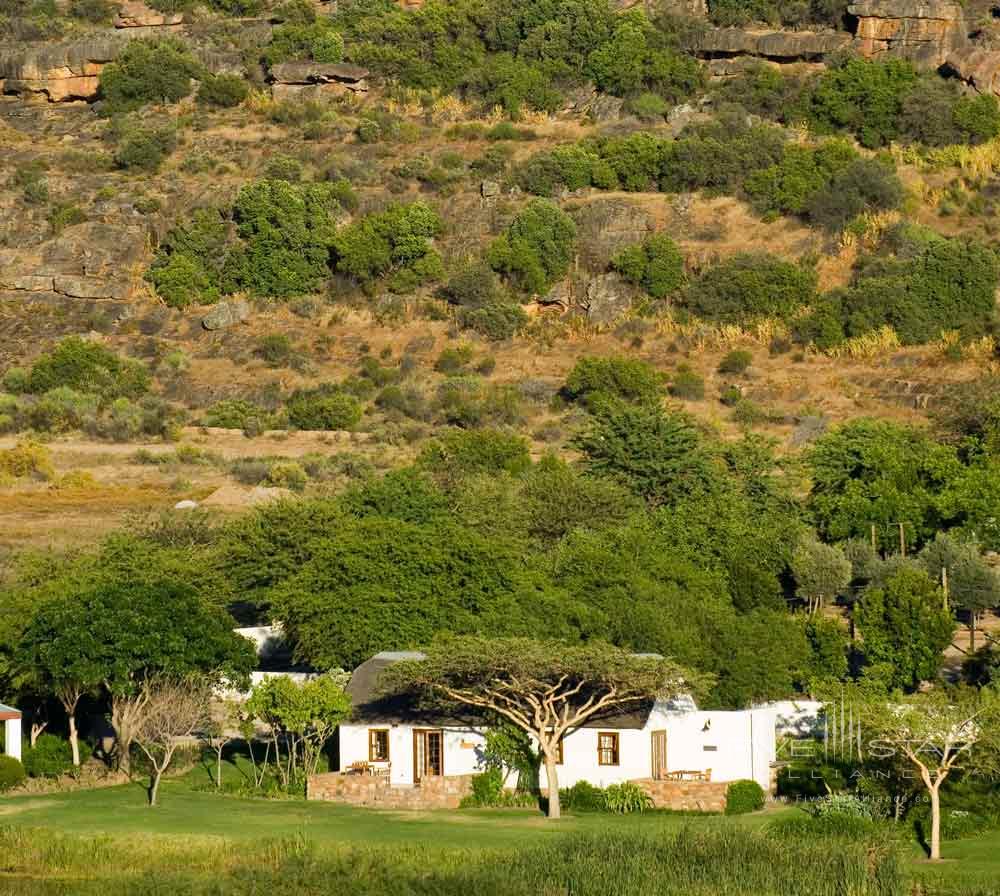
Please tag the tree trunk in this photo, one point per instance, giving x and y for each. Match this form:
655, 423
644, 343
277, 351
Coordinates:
972, 631
935, 844
218, 766
553, 782
36, 729
154, 785
74, 740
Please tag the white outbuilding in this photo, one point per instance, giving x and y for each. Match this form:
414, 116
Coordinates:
11, 719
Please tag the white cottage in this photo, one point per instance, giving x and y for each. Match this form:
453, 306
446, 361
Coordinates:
663, 740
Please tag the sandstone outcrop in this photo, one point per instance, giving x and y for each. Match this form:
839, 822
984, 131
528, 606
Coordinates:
980, 69
780, 46
315, 79
923, 31
135, 14
58, 72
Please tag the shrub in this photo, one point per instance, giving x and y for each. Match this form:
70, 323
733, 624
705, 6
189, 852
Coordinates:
287, 474
487, 788
482, 451
629, 379
323, 408
145, 149
743, 797
49, 758
978, 116
582, 797
287, 232
865, 185
94, 12
735, 362
89, 367
12, 773
318, 41
686, 384
26, 459
223, 91
537, 247
474, 286
235, 413
626, 798
276, 349
656, 265
390, 241
453, 359
188, 263
63, 215
649, 107
148, 70
63, 409
496, 321
750, 285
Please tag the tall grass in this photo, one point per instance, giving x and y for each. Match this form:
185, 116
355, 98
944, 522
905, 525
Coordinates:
702, 861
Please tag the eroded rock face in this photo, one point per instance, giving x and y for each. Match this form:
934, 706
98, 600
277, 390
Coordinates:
314, 80
226, 314
923, 31
980, 69
607, 298
58, 72
90, 261
781, 46
135, 14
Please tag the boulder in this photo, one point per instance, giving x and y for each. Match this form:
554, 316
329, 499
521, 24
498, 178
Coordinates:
586, 100
89, 288
980, 69
606, 226
607, 298
226, 314
924, 31
135, 14
489, 189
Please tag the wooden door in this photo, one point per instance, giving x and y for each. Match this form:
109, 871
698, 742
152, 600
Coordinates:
428, 754
659, 743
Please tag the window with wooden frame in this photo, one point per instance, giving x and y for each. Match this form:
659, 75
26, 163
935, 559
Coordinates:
607, 748
378, 744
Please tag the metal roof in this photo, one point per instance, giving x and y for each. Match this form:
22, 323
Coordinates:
9, 712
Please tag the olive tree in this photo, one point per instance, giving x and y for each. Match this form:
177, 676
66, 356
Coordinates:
821, 572
547, 689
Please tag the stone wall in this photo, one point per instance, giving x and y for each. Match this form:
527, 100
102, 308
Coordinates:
698, 796
360, 790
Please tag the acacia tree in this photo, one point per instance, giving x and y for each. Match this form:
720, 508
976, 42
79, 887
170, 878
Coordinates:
821, 572
937, 733
548, 689
173, 709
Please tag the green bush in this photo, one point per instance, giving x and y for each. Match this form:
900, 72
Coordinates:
474, 286
389, 242
87, 367
747, 286
318, 41
625, 798
481, 451
496, 321
736, 361
743, 797
276, 348
148, 70
188, 263
536, 249
223, 91
287, 232
598, 379
686, 384
582, 797
326, 407
487, 788
50, 757
656, 265
235, 413
12, 773
94, 12
144, 149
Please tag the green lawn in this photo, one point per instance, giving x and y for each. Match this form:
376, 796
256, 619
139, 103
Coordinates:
193, 816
